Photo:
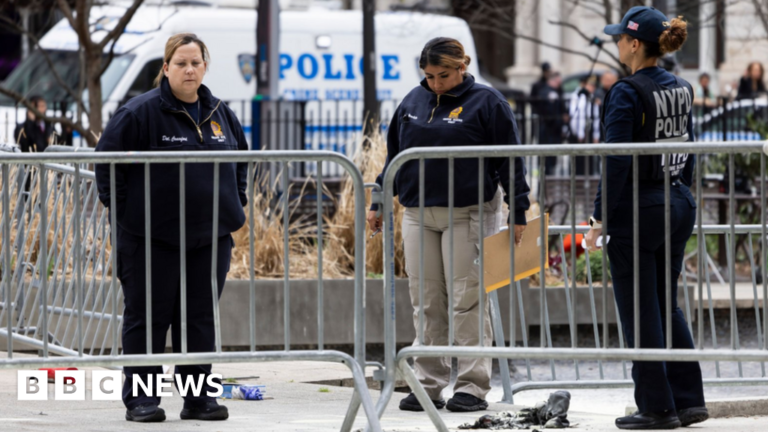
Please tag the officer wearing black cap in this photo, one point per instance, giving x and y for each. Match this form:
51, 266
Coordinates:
651, 105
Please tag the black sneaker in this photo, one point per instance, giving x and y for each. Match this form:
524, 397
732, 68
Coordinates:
689, 416
146, 413
465, 402
410, 403
666, 420
209, 411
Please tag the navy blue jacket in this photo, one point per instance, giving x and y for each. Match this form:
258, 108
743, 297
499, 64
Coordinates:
469, 114
623, 124
156, 121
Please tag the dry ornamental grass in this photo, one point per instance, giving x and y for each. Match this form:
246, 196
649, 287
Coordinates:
338, 230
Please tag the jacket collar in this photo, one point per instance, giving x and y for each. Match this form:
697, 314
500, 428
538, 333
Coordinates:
169, 102
457, 91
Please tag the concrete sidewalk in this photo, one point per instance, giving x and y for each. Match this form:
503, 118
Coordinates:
298, 406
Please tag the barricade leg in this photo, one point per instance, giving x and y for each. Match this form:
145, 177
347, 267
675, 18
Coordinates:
354, 407
498, 334
421, 395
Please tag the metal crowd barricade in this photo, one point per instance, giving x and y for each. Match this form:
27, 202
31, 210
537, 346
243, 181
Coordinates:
55, 293
397, 363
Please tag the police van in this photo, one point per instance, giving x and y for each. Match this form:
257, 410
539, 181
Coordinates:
321, 81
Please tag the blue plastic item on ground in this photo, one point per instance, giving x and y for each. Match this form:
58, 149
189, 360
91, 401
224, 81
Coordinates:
250, 392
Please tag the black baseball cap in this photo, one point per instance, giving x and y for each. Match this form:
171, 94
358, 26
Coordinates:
640, 22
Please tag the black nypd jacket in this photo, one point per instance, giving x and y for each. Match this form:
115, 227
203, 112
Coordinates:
469, 114
156, 121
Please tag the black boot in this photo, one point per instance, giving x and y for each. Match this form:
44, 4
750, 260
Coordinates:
465, 402
146, 413
665, 420
410, 403
689, 416
211, 410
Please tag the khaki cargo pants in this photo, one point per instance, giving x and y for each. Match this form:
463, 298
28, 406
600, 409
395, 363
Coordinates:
474, 375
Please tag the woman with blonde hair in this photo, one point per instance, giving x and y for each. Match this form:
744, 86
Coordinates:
450, 109
180, 114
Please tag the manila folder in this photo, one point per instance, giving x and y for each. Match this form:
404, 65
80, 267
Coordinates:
527, 255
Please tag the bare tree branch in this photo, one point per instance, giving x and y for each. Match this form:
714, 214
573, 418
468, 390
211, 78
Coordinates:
67, 12
116, 32
608, 15
109, 58
586, 38
761, 13
512, 36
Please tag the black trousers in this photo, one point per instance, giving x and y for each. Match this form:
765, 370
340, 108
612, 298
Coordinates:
166, 307
659, 386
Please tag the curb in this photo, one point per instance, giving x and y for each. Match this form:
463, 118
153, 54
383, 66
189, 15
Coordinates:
724, 408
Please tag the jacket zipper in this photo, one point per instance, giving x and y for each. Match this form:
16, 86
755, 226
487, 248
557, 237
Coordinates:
197, 126
438, 104
433, 109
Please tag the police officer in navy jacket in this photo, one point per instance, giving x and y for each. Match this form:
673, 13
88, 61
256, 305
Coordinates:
450, 109
180, 115
651, 105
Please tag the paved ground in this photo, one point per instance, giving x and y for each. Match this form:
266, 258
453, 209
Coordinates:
298, 406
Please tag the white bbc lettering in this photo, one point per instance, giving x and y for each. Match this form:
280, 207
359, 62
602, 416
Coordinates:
164, 381
196, 385
146, 387
213, 380
106, 385
69, 385
32, 385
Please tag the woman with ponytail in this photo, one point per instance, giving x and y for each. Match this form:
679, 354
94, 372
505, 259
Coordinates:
448, 109
180, 115
650, 105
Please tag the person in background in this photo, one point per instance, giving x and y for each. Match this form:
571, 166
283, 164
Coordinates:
35, 134
551, 121
607, 80
584, 123
546, 73
705, 97
537, 104
752, 84
584, 114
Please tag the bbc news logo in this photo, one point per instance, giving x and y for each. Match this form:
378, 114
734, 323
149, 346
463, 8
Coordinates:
69, 385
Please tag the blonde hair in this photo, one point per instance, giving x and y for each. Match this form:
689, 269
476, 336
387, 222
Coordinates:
176, 41
445, 52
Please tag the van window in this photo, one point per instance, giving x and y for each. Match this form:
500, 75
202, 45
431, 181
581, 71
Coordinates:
146, 78
34, 77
